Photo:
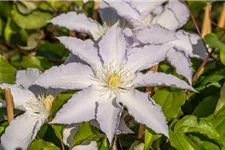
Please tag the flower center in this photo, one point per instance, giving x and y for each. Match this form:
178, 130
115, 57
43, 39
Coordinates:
114, 80
48, 102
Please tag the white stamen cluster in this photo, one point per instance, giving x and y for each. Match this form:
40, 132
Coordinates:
114, 78
41, 105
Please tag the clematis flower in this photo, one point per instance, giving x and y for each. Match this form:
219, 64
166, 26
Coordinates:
108, 83
145, 17
35, 101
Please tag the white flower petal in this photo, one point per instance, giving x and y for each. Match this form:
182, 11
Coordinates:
144, 110
125, 10
174, 16
145, 8
108, 123
181, 63
20, 95
86, 146
146, 57
191, 44
85, 50
160, 79
77, 22
113, 45
154, 34
74, 58
70, 76
79, 108
21, 131
68, 133
27, 77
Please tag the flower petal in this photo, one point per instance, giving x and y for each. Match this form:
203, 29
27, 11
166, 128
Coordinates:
68, 134
174, 16
145, 8
20, 95
160, 79
144, 110
86, 146
21, 131
74, 58
154, 34
27, 77
70, 76
80, 107
77, 22
191, 44
85, 50
113, 45
125, 10
108, 123
181, 63
146, 57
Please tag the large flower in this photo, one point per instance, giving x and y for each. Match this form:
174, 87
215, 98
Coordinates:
109, 82
35, 101
145, 17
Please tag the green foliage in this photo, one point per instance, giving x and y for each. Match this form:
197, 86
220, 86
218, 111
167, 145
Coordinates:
42, 145
7, 72
86, 132
171, 101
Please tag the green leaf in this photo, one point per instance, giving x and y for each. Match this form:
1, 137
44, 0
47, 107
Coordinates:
195, 6
51, 148
190, 134
189, 124
7, 72
209, 79
5, 8
58, 130
179, 141
103, 145
31, 62
26, 7
40, 145
32, 42
59, 101
221, 102
86, 132
149, 139
36, 62
213, 41
206, 107
35, 20
170, 101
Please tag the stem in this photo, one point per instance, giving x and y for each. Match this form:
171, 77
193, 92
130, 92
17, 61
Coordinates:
149, 90
95, 12
206, 26
114, 146
9, 105
221, 22
14, 47
63, 148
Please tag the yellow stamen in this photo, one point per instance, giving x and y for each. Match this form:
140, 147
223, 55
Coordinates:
114, 80
48, 102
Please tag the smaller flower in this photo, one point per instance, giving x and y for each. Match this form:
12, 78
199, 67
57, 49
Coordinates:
35, 101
